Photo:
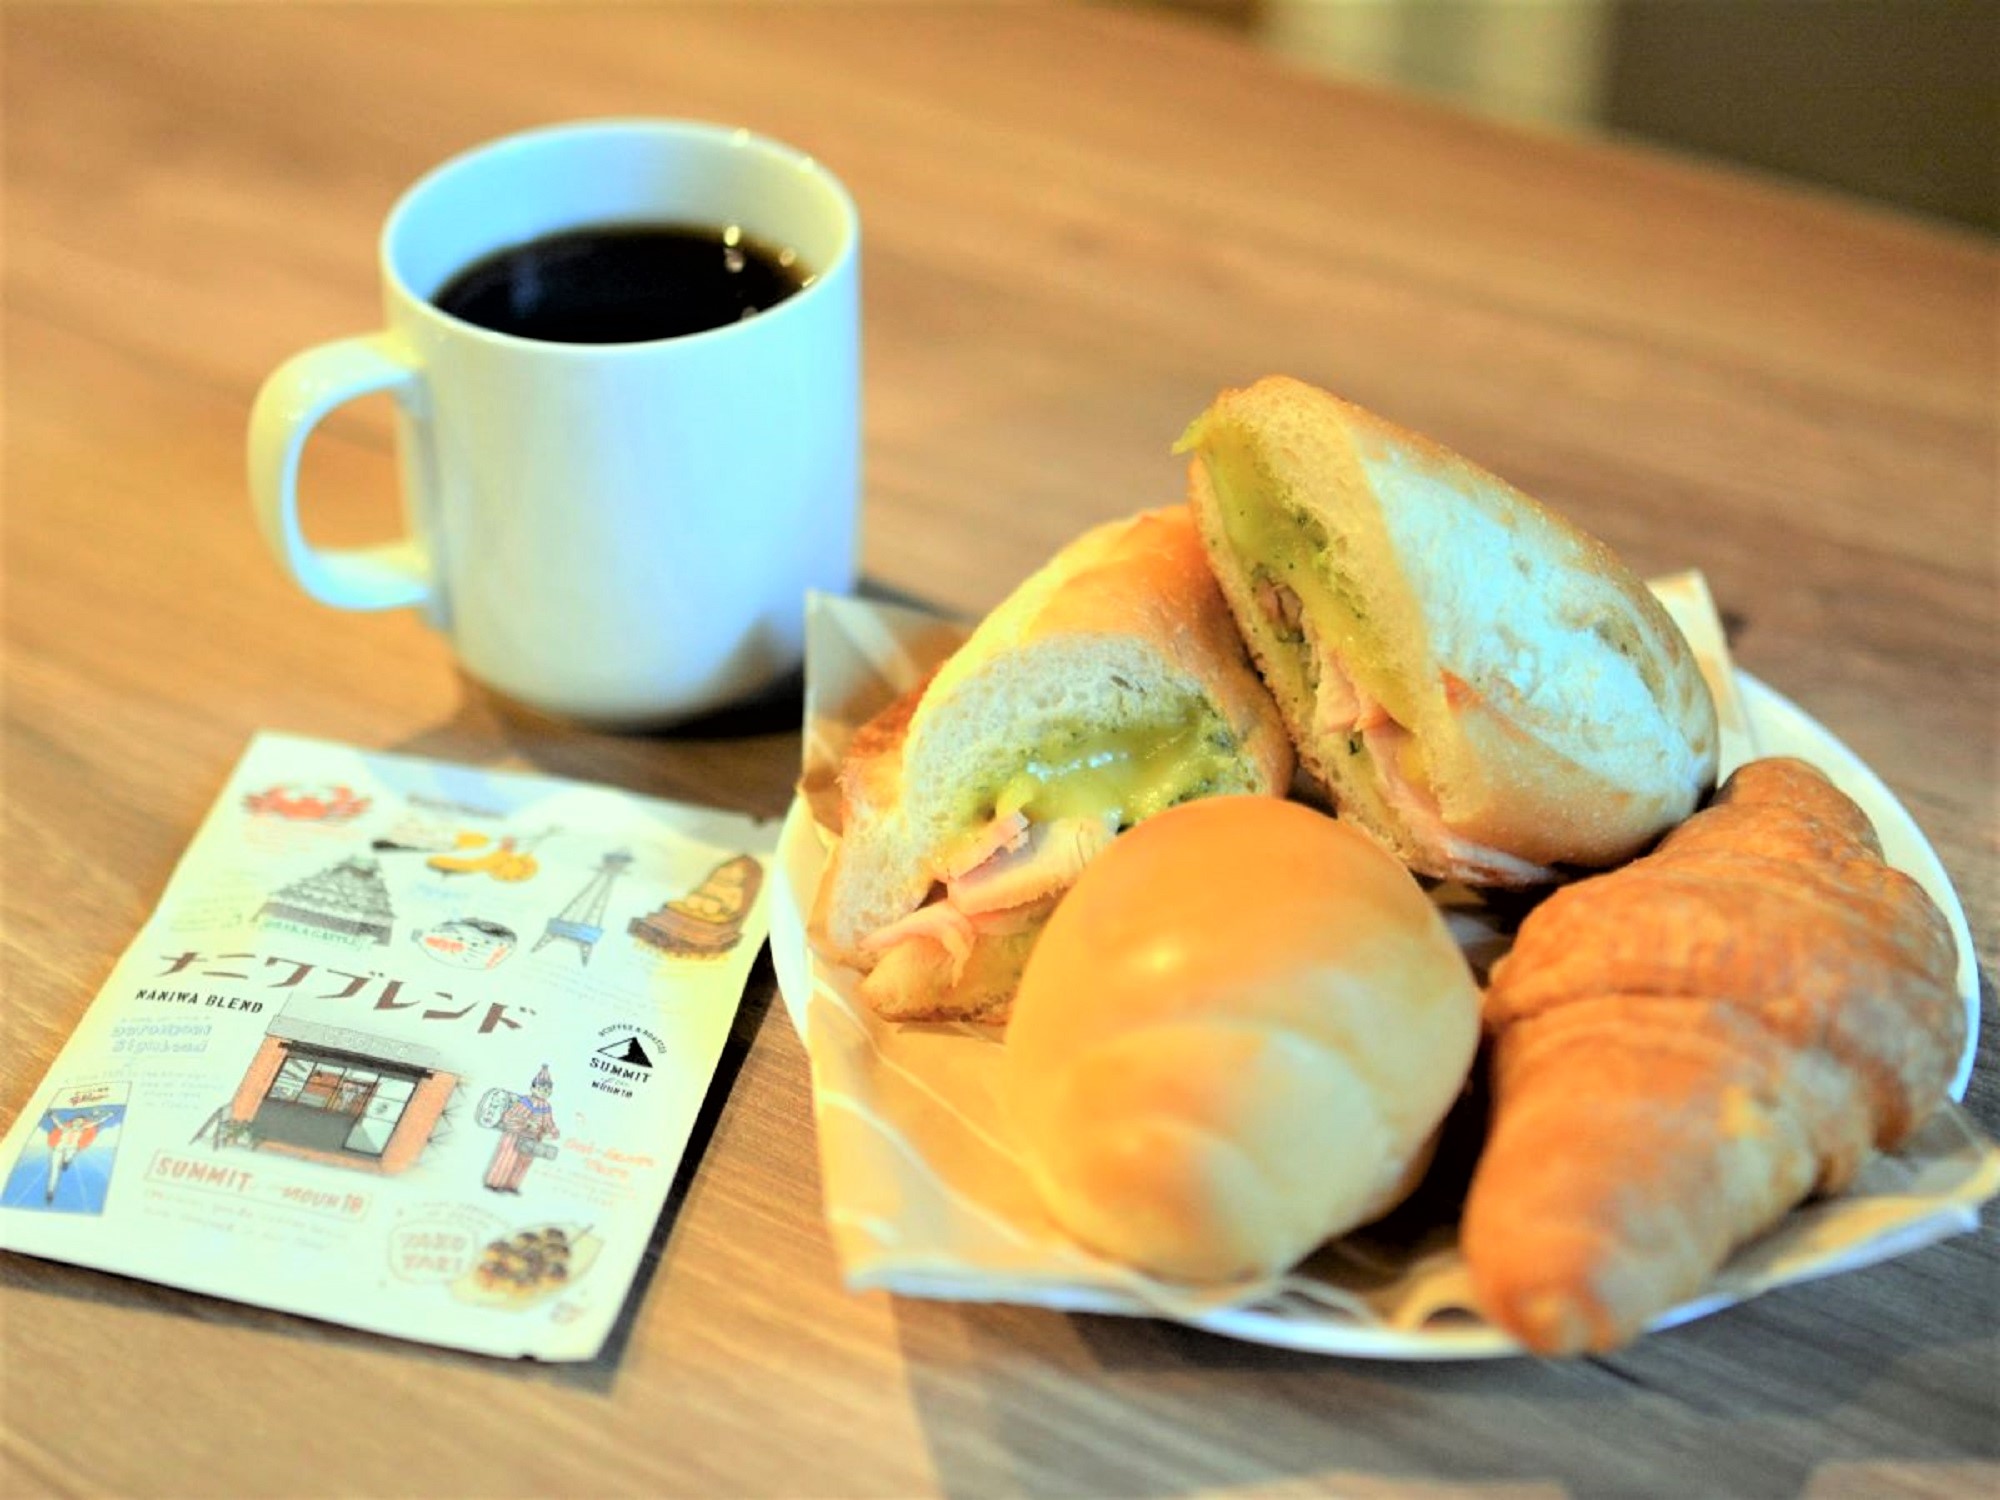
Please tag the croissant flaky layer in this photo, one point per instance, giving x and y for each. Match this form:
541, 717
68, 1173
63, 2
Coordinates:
1685, 1048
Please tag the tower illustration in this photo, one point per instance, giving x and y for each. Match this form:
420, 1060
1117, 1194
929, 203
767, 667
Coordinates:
581, 921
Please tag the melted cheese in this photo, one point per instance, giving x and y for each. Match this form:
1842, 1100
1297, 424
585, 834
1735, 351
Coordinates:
1293, 549
1338, 653
1123, 774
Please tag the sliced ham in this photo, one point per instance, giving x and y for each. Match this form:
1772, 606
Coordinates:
1000, 883
1047, 861
1008, 892
909, 978
1280, 606
1009, 920
1419, 810
1337, 704
1341, 708
1008, 831
939, 924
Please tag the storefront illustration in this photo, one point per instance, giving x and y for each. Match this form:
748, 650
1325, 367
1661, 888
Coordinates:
338, 1096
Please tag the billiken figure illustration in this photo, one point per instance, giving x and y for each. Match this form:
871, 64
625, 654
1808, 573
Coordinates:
526, 1124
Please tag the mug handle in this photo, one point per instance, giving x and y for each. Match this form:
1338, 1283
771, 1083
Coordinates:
293, 401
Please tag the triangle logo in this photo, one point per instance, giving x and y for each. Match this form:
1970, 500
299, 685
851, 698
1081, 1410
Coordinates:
628, 1052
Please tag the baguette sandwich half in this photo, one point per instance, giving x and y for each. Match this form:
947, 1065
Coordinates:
1110, 685
1470, 678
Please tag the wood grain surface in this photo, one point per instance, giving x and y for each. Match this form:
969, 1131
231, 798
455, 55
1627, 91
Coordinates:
1080, 223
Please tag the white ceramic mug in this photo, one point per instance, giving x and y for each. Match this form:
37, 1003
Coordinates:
622, 533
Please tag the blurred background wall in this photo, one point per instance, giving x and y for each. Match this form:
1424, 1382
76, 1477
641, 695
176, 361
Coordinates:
1897, 101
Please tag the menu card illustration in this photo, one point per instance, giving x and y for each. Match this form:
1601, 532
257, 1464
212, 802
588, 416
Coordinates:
406, 1046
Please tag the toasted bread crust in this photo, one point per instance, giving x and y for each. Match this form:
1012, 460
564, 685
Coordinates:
1130, 607
870, 781
1146, 577
1561, 718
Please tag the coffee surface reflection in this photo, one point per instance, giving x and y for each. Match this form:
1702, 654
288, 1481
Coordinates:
623, 284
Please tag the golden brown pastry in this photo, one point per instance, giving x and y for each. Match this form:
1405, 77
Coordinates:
1236, 1039
1685, 1048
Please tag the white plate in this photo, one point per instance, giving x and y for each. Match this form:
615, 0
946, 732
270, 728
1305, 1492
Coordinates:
1295, 1321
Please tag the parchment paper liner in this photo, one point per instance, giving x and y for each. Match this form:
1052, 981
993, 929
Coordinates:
925, 1195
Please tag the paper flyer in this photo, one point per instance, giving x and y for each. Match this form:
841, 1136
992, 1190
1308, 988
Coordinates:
406, 1046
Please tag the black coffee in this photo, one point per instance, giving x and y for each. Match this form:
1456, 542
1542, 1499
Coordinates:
623, 283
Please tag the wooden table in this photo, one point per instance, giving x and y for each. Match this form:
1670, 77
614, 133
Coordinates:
1080, 224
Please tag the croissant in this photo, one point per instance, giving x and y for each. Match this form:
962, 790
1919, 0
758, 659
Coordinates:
1689, 1046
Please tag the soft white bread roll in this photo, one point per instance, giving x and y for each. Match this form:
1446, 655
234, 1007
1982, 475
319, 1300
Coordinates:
1236, 1039
1110, 685
1476, 682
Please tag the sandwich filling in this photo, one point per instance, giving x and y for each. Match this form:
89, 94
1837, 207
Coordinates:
1032, 824
1332, 670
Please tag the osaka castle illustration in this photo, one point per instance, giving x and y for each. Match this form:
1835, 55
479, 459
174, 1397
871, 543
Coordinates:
345, 900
